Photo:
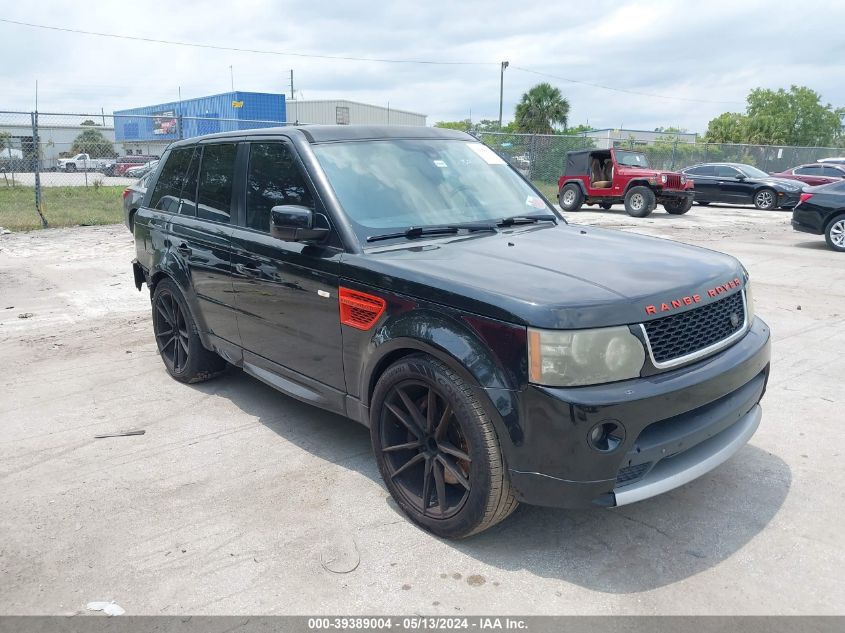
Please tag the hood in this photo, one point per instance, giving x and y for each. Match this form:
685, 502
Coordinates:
787, 183
551, 277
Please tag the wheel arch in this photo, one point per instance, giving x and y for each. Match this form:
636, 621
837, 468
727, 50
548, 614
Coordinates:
575, 181
833, 218
640, 183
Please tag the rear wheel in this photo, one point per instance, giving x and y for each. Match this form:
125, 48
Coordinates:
570, 197
834, 235
765, 199
437, 450
177, 338
640, 201
678, 206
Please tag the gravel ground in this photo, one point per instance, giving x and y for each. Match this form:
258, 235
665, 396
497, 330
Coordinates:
239, 500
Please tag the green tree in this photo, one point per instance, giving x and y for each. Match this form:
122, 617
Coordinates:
541, 110
5, 140
780, 117
463, 126
93, 143
90, 123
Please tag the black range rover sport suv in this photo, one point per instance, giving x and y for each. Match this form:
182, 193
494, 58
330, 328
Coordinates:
413, 281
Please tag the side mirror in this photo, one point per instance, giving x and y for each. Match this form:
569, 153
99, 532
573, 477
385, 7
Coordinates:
295, 223
740, 177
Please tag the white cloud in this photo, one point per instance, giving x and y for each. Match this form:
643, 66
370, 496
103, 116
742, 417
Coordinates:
713, 51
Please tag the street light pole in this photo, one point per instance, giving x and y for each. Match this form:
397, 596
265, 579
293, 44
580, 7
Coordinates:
501, 89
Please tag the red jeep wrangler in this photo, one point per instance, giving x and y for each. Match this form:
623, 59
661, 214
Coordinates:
608, 176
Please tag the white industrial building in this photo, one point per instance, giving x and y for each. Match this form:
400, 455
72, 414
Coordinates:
344, 112
609, 137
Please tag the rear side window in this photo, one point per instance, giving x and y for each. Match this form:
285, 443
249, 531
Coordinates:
809, 170
832, 172
704, 170
217, 170
273, 179
188, 199
168, 188
723, 171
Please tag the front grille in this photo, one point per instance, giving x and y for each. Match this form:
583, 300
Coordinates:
681, 334
630, 474
673, 181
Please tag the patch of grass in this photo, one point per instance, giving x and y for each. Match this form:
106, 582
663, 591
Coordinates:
547, 189
62, 206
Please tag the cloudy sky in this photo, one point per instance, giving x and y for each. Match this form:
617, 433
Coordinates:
705, 56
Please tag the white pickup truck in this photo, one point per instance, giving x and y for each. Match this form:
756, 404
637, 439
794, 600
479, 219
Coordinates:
82, 162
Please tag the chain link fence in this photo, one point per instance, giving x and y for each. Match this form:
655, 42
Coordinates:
69, 169
541, 157
65, 169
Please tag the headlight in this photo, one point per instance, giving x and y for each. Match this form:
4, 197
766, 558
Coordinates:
749, 302
683, 180
663, 178
570, 358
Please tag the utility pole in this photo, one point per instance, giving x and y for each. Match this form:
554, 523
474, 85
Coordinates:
292, 93
502, 89
232, 77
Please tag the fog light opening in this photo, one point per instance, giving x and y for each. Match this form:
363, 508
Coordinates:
606, 437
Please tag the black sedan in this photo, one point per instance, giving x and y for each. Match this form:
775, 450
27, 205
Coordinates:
736, 183
822, 211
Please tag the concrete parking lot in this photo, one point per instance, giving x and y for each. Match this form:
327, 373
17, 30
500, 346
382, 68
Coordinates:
239, 500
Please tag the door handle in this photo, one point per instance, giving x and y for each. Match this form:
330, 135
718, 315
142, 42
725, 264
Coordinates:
184, 249
250, 270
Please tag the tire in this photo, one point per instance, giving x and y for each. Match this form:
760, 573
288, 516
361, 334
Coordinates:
639, 201
606, 205
765, 199
834, 234
70, 167
703, 203
570, 197
463, 496
678, 206
180, 347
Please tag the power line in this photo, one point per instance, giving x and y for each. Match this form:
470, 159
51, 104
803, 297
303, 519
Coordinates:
352, 58
246, 50
632, 92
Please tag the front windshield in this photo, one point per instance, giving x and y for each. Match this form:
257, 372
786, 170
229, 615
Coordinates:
632, 159
399, 183
752, 172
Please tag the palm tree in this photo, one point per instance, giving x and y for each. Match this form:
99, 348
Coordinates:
540, 109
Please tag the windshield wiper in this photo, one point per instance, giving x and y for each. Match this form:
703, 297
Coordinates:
413, 232
527, 219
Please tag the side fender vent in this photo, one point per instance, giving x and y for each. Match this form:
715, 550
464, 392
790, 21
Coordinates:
358, 309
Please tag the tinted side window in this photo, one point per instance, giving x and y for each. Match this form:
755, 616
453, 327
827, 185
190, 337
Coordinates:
723, 171
832, 172
217, 169
188, 204
169, 185
810, 170
273, 179
705, 170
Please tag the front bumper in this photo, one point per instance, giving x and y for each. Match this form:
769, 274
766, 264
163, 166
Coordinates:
788, 200
677, 426
676, 194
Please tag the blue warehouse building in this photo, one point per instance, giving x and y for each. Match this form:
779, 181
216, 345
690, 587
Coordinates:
151, 128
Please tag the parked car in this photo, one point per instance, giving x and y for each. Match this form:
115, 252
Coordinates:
124, 163
140, 170
133, 195
410, 279
813, 174
82, 162
735, 183
610, 176
821, 211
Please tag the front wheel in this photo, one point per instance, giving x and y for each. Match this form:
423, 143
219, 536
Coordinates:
678, 206
177, 337
437, 450
834, 235
570, 197
70, 167
640, 201
765, 199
